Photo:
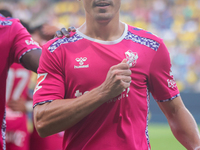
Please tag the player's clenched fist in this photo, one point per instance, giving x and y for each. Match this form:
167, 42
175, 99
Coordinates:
118, 78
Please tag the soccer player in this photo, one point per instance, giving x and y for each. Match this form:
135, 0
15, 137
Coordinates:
16, 46
95, 85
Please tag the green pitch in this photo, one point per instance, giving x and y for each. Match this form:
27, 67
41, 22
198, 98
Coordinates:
161, 138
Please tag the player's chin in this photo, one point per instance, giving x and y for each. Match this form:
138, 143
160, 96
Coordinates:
103, 18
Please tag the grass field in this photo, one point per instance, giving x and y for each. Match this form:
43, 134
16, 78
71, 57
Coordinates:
161, 138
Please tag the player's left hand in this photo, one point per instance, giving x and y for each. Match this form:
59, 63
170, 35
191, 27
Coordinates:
65, 32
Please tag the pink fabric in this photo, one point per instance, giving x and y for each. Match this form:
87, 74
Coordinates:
17, 82
17, 135
53, 142
70, 67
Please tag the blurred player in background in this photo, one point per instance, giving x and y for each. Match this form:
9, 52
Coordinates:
17, 96
17, 93
95, 85
16, 46
17, 106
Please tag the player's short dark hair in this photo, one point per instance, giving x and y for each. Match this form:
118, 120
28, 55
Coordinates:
5, 13
26, 26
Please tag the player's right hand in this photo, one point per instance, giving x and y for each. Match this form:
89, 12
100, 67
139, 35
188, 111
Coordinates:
117, 80
64, 32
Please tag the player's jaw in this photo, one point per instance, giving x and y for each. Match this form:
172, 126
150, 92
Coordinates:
102, 10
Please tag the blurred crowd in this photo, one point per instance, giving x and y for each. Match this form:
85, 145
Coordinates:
177, 22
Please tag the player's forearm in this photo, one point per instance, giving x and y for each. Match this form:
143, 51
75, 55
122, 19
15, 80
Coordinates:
185, 129
60, 115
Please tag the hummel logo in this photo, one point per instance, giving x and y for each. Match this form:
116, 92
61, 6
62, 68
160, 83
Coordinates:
81, 62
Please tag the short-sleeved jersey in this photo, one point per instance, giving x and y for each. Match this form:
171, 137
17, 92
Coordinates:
69, 67
15, 41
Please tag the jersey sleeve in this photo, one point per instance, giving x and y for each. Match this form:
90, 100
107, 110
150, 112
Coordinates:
50, 80
22, 41
162, 84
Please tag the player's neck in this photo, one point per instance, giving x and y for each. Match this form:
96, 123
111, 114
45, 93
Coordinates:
109, 31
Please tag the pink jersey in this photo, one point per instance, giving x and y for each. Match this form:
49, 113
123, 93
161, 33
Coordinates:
53, 142
69, 67
17, 135
17, 83
15, 41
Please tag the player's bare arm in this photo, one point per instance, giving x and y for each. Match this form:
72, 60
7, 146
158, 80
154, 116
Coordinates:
60, 115
181, 123
31, 60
